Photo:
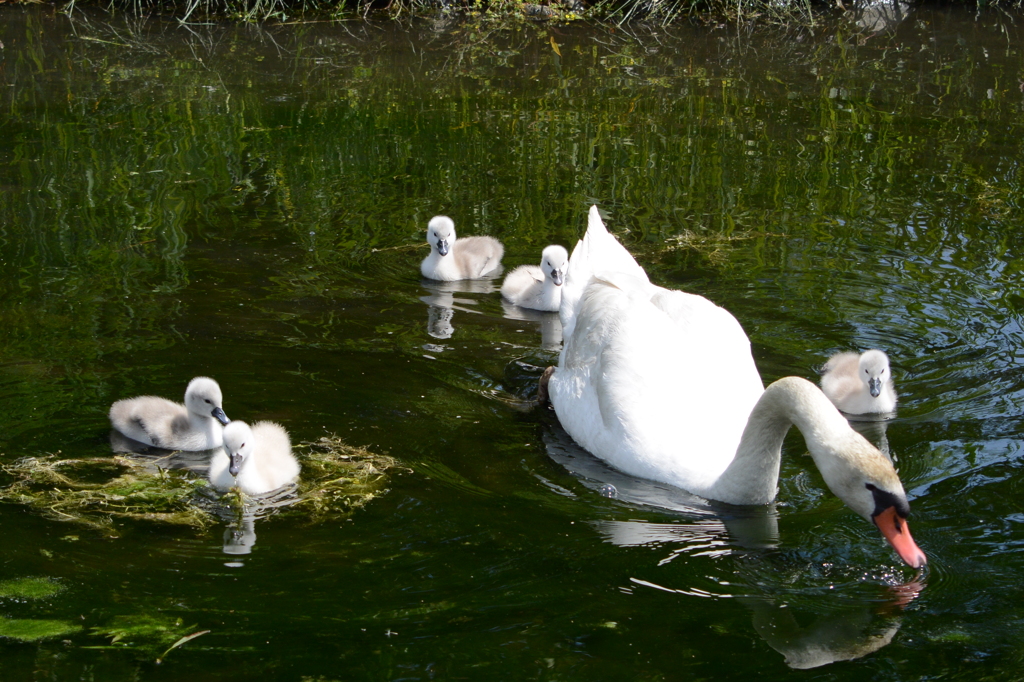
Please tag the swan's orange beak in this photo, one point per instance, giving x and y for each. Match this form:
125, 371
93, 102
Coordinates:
897, 532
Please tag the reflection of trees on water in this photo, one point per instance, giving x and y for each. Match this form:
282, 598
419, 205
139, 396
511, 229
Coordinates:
809, 631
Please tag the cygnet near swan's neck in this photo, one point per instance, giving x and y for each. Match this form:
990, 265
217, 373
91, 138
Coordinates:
753, 475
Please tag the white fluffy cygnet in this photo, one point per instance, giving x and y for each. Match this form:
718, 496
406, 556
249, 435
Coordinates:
859, 383
196, 425
257, 459
538, 288
453, 259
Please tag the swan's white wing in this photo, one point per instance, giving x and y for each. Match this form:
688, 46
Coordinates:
657, 395
598, 253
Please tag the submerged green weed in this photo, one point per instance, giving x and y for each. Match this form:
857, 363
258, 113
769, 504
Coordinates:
29, 588
33, 630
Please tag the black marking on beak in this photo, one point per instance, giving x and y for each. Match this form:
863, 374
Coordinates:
556, 277
442, 247
236, 464
875, 387
219, 415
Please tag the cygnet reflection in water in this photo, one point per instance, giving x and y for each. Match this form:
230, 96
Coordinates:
550, 325
837, 631
442, 302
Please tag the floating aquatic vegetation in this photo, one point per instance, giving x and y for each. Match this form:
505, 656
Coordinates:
95, 492
714, 246
339, 478
336, 480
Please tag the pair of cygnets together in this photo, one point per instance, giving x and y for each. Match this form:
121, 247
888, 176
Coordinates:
528, 286
256, 459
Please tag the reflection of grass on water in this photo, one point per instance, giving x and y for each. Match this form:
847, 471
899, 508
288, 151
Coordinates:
336, 479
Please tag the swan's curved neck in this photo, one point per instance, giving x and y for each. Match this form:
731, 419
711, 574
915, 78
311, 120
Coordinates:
753, 475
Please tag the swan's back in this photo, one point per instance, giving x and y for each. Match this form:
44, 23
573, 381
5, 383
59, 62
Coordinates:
597, 252
477, 256
274, 460
657, 383
523, 286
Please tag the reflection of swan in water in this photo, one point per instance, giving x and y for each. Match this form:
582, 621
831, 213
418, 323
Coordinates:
240, 536
843, 632
874, 431
550, 325
443, 303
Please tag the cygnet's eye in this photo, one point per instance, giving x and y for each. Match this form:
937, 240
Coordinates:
207, 401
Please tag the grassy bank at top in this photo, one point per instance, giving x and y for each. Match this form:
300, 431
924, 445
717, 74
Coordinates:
879, 14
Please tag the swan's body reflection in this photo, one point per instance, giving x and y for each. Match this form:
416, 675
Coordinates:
550, 325
443, 302
838, 631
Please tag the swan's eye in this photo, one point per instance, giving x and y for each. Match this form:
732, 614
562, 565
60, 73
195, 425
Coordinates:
870, 486
207, 401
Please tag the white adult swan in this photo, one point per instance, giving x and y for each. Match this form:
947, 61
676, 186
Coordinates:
196, 425
538, 288
661, 384
452, 259
257, 459
859, 383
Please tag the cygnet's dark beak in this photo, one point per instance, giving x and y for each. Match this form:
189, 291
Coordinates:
236, 464
442, 247
219, 415
874, 387
556, 277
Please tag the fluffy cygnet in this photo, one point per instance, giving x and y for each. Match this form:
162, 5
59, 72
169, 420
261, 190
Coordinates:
452, 259
257, 459
859, 383
538, 288
196, 425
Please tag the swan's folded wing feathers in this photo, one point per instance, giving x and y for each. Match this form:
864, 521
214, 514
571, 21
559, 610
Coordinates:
598, 253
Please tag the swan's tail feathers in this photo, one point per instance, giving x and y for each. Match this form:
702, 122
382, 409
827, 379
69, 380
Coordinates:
599, 252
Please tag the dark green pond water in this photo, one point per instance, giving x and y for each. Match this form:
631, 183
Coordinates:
250, 204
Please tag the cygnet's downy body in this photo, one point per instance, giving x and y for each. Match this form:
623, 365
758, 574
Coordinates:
538, 288
256, 459
453, 259
196, 425
859, 383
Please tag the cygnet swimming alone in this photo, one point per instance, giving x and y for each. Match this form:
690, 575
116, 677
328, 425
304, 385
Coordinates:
538, 288
257, 459
196, 425
452, 259
859, 383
